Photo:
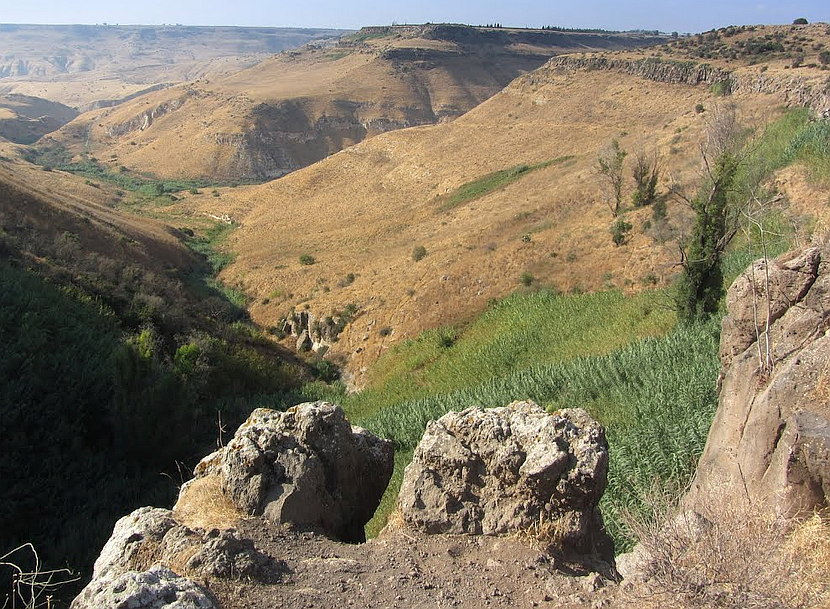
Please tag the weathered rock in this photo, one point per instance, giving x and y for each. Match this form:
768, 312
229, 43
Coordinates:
770, 440
225, 555
507, 470
306, 467
150, 537
130, 538
156, 588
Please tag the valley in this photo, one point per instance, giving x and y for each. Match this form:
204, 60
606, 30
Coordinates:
404, 221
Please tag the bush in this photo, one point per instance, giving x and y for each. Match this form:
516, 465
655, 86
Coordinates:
800, 21
699, 109
526, 279
619, 231
419, 253
307, 259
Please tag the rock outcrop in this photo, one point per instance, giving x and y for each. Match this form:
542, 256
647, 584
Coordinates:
770, 441
306, 467
507, 470
795, 90
134, 570
313, 333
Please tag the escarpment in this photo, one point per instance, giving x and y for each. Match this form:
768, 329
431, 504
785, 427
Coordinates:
795, 90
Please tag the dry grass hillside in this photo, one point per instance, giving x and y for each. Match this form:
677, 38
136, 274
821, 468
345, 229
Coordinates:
61, 209
344, 230
25, 119
297, 108
87, 65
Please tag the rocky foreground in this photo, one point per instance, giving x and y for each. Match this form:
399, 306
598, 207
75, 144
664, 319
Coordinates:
499, 507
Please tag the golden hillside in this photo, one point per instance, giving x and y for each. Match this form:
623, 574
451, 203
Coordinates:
25, 119
297, 108
359, 214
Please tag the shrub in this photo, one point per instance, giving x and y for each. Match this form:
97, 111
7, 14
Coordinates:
721, 88
307, 259
526, 279
419, 253
800, 21
619, 231
646, 174
824, 57
699, 109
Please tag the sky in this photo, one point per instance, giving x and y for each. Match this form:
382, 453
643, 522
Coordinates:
666, 15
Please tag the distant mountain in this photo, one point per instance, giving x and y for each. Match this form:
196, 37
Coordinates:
88, 65
298, 107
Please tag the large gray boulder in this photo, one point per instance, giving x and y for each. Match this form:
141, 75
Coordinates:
509, 470
769, 443
307, 467
156, 588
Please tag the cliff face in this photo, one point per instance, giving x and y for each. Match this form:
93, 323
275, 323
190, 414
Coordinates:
770, 441
295, 109
795, 90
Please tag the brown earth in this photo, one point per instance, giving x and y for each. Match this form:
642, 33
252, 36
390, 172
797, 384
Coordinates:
85, 65
297, 108
363, 210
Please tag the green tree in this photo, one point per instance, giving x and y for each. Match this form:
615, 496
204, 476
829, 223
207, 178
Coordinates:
610, 164
701, 284
700, 287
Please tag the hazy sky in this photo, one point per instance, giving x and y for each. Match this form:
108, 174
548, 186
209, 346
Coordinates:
666, 15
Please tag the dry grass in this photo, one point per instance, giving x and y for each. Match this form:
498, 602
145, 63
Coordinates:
202, 504
734, 555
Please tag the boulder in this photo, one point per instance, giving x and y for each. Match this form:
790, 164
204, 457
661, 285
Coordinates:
770, 439
307, 467
508, 470
132, 569
156, 588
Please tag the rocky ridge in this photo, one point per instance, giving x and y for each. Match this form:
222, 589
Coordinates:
795, 90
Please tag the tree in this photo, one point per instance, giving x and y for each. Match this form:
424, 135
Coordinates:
701, 285
646, 175
800, 21
610, 164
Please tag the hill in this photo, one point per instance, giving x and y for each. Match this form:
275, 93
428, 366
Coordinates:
342, 234
298, 107
118, 360
25, 119
84, 66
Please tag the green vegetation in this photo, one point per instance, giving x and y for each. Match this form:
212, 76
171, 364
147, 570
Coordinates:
209, 245
307, 259
619, 231
419, 253
512, 334
734, 190
646, 174
55, 156
491, 183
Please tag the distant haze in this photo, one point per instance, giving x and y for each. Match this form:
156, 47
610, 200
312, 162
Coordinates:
665, 15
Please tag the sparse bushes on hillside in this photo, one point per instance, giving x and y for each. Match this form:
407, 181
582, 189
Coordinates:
307, 259
419, 253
